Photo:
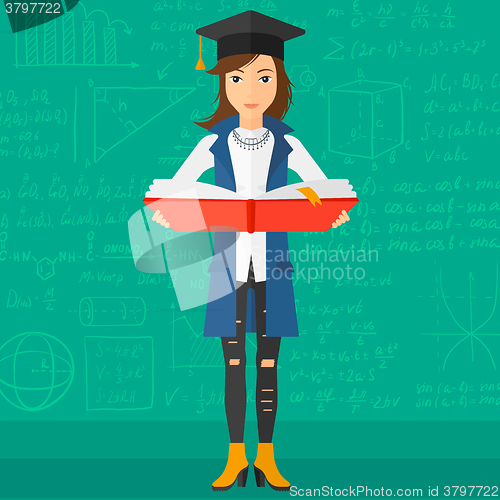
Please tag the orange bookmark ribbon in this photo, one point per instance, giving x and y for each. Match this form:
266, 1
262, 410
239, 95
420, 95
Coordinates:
310, 194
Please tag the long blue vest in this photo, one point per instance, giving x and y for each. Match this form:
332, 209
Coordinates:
281, 317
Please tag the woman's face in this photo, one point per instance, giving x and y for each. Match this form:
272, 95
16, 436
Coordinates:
254, 84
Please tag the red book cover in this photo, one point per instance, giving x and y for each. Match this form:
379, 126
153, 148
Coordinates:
304, 210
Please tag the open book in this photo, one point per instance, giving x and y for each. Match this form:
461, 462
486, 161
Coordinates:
304, 206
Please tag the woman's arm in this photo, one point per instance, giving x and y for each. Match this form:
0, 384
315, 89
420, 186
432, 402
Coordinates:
200, 159
300, 161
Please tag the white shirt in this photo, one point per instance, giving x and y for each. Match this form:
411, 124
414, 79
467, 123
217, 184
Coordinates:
251, 167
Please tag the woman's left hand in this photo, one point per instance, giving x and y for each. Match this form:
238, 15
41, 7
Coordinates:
343, 217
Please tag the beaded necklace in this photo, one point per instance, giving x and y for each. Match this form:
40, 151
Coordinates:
254, 142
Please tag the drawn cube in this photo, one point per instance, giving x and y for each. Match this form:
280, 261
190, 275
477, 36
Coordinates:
365, 118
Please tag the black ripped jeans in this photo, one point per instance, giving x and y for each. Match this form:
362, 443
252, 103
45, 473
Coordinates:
235, 367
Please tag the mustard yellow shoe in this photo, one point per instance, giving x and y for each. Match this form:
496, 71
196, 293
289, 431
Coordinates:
236, 469
265, 469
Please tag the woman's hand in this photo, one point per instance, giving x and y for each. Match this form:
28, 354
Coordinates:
343, 217
158, 217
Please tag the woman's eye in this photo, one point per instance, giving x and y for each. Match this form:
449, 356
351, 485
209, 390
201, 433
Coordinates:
268, 79
231, 78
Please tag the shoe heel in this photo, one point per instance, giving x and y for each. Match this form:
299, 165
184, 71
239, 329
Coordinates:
242, 477
259, 477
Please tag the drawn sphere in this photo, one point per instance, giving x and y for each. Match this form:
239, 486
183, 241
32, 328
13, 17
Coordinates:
36, 370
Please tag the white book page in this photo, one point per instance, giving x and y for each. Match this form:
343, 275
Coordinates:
324, 188
169, 188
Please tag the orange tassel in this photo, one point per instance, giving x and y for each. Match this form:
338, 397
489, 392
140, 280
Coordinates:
200, 65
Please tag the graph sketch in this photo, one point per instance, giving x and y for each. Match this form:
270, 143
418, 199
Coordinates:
470, 331
77, 38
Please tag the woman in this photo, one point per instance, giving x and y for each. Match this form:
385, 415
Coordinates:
251, 151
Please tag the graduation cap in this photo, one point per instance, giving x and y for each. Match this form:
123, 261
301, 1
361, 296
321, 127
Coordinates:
249, 33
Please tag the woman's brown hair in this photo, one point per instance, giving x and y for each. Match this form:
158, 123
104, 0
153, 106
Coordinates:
278, 108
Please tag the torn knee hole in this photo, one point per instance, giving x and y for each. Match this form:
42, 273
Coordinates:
267, 363
234, 361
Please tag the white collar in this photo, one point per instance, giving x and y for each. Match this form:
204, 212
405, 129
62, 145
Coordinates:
244, 133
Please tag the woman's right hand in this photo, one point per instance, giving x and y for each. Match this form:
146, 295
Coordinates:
158, 217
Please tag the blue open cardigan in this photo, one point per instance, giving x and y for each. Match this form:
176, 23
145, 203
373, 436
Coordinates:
281, 317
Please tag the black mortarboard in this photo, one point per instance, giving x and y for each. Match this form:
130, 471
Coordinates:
249, 33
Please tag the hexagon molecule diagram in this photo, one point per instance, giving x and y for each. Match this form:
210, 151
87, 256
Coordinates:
36, 370
45, 268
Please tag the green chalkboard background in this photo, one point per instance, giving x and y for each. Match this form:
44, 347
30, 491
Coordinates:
97, 361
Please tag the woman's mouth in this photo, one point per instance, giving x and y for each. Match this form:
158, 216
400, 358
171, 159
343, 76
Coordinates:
251, 106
